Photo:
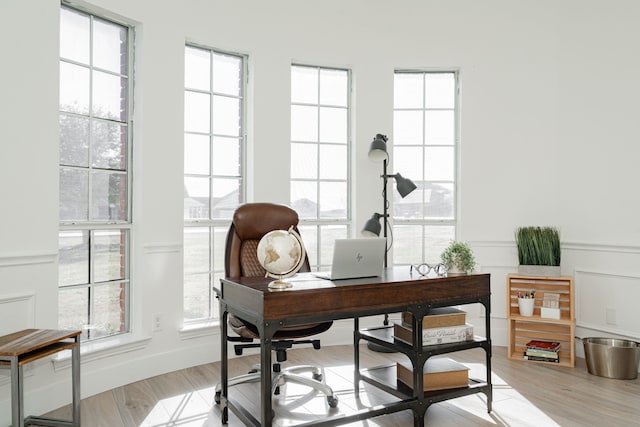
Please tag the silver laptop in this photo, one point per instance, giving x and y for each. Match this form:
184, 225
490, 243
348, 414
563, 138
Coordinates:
354, 258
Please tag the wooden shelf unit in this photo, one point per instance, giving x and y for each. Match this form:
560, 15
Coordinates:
522, 329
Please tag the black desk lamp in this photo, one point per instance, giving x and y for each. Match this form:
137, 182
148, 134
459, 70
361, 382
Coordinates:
378, 152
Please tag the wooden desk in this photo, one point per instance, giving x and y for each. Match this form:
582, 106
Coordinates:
313, 300
29, 345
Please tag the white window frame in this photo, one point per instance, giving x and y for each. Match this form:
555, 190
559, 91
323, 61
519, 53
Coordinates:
217, 226
95, 226
430, 252
320, 251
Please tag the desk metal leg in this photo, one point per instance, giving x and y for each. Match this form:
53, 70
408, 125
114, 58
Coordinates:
356, 357
224, 380
75, 381
266, 333
17, 390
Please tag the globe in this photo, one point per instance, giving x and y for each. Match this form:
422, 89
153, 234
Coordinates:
281, 253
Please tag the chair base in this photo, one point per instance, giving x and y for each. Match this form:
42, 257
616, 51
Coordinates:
292, 375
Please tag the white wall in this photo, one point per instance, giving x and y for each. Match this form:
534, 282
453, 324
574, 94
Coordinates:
548, 125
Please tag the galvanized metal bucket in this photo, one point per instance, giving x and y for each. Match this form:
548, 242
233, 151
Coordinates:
612, 357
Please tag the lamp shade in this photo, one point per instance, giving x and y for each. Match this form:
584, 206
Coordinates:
404, 185
372, 226
378, 148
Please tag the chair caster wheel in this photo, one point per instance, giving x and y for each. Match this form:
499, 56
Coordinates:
332, 401
217, 397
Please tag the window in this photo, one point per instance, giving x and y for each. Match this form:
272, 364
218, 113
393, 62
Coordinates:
95, 175
320, 146
424, 150
213, 170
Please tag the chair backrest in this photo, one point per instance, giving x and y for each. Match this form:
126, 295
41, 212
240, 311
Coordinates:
251, 222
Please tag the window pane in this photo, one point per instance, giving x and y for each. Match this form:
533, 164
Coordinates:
74, 195
73, 257
406, 161
440, 90
333, 87
226, 197
309, 236
329, 233
409, 207
74, 35
197, 111
196, 154
226, 116
408, 90
304, 85
196, 250
73, 310
333, 125
109, 96
74, 88
407, 127
439, 201
304, 198
333, 163
227, 73
196, 197
109, 249
333, 199
227, 156
197, 69
440, 127
108, 196
304, 123
304, 161
109, 145
196, 296
439, 163
436, 239
109, 305
407, 244
74, 140
109, 46
219, 245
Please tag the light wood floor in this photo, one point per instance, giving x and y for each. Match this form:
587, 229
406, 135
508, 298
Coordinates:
525, 394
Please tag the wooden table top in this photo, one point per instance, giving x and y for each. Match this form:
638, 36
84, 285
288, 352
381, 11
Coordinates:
29, 340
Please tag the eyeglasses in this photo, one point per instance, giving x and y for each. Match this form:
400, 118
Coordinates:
424, 269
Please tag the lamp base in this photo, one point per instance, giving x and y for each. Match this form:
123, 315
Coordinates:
380, 349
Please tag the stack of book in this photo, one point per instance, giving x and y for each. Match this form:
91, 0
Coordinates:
439, 373
442, 325
542, 351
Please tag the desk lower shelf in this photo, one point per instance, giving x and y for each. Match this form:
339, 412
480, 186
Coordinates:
384, 377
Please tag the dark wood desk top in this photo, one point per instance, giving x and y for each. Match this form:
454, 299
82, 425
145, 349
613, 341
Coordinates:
338, 299
33, 341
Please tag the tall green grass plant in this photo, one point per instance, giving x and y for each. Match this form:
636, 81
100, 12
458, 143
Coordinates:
538, 245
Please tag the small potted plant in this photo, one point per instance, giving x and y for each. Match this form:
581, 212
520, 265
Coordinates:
458, 258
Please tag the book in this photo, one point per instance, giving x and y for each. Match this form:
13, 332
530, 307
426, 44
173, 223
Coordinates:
541, 353
439, 373
543, 345
541, 359
431, 336
438, 317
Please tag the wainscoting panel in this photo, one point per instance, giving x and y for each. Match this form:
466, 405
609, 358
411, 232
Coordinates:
608, 302
17, 312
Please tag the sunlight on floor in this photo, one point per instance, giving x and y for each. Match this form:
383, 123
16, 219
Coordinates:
298, 404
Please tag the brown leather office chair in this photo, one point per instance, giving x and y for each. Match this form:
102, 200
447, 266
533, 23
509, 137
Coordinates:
250, 223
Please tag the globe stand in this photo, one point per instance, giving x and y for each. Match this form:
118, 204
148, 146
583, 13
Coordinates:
279, 284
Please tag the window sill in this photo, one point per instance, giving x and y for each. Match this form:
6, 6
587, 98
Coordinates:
200, 329
102, 348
